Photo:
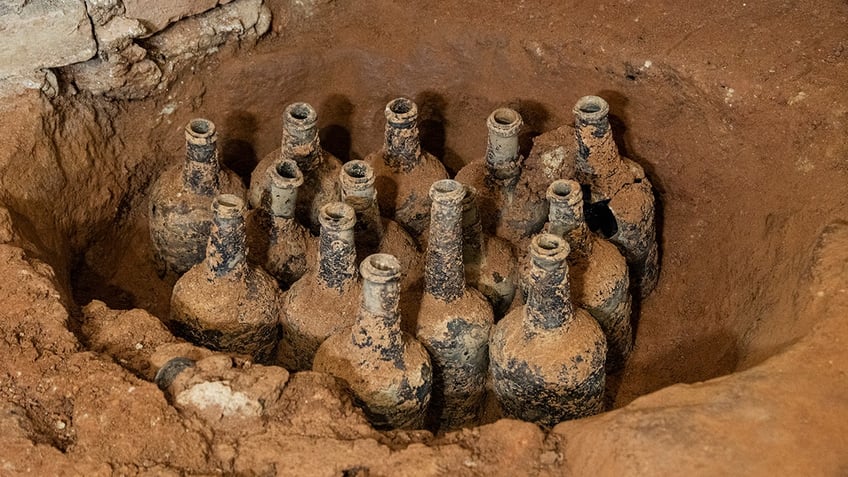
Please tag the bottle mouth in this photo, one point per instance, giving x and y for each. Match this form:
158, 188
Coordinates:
380, 268
447, 191
549, 248
591, 109
504, 122
357, 173
300, 116
228, 206
337, 216
200, 131
286, 174
401, 112
565, 191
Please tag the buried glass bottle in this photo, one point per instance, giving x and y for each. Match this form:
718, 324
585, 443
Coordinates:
225, 303
454, 321
325, 299
387, 369
376, 234
598, 272
621, 198
490, 263
404, 171
320, 168
180, 213
547, 357
277, 240
509, 206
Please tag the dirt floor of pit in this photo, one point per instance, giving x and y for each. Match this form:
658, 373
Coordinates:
736, 109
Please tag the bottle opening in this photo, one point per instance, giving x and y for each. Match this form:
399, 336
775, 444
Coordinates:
400, 106
380, 267
229, 201
337, 216
356, 169
445, 186
549, 248
228, 206
300, 111
561, 188
591, 107
200, 127
288, 169
506, 116
447, 191
549, 242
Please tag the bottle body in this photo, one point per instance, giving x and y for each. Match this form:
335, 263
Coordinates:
320, 168
403, 170
179, 211
620, 186
547, 357
388, 370
510, 207
224, 303
490, 262
600, 279
324, 300
277, 240
454, 321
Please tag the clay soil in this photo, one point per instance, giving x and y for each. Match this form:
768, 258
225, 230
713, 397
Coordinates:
737, 110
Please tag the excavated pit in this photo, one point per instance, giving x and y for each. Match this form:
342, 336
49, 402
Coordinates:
746, 182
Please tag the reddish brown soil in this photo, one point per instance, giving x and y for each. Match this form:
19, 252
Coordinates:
737, 110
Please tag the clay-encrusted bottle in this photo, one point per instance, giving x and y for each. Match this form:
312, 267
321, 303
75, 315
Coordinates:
547, 357
598, 272
454, 321
320, 168
509, 206
180, 210
376, 234
490, 263
387, 369
404, 171
276, 239
225, 303
325, 299
621, 196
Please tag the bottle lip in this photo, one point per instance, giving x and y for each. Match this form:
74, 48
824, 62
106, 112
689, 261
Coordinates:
337, 216
401, 112
357, 174
228, 206
447, 191
470, 195
565, 191
549, 248
285, 174
300, 116
504, 122
591, 109
200, 131
380, 268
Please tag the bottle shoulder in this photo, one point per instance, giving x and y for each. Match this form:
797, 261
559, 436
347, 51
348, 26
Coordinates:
440, 318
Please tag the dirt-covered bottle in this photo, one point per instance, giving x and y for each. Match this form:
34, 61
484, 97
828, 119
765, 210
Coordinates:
387, 369
180, 213
454, 320
324, 300
374, 233
490, 262
320, 168
225, 303
621, 198
509, 206
404, 171
599, 280
547, 356
276, 239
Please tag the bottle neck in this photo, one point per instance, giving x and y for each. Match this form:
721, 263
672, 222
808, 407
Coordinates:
566, 219
503, 162
549, 291
226, 251
444, 272
403, 145
597, 153
201, 168
283, 200
337, 253
377, 326
472, 228
301, 144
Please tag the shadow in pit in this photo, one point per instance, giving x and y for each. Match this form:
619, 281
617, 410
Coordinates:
535, 117
432, 128
336, 112
237, 153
